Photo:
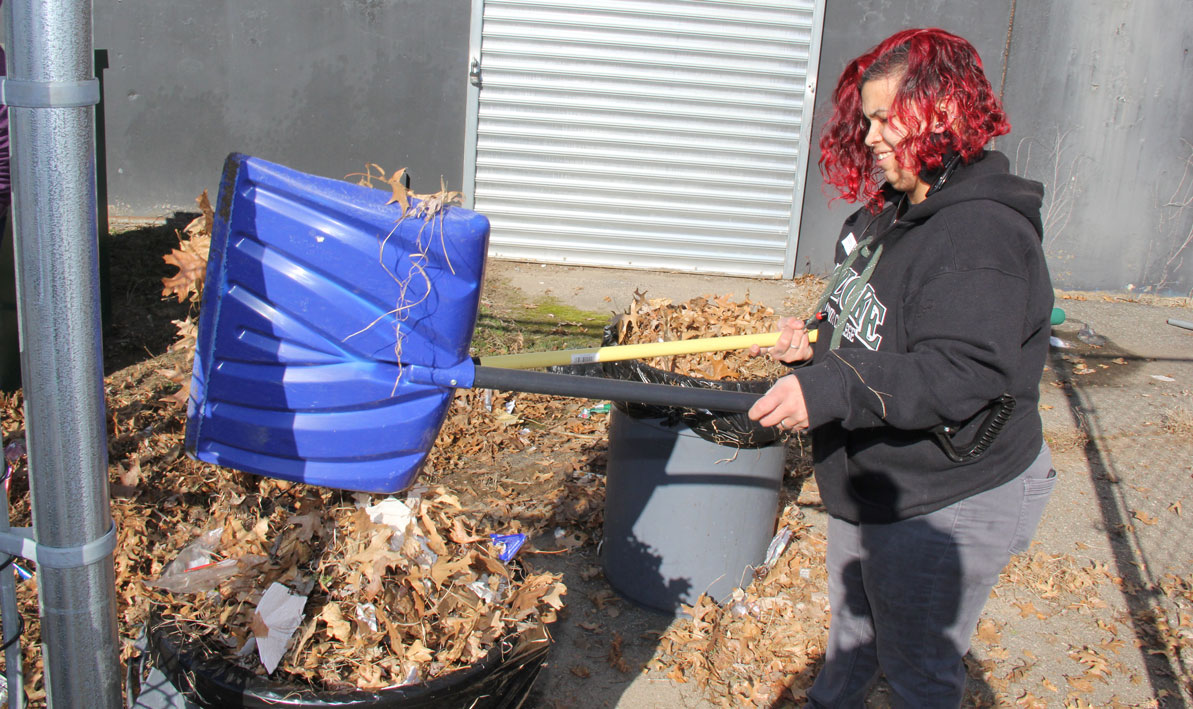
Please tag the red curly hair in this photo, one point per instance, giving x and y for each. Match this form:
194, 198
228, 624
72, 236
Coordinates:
938, 70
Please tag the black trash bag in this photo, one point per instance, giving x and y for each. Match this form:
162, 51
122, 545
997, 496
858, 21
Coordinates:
501, 680
721, 427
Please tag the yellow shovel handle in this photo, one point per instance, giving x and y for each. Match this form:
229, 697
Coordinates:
616, 353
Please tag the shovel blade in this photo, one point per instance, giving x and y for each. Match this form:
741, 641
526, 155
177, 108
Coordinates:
318, 301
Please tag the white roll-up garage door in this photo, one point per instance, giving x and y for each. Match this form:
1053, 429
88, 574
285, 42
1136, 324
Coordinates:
662, 134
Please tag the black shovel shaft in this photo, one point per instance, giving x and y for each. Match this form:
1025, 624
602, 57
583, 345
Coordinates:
612, 389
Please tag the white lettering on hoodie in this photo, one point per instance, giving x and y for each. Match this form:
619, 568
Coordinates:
867, 314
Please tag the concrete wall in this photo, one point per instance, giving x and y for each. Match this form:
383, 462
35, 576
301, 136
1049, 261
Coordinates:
1100, 97
1101, 94
323, 86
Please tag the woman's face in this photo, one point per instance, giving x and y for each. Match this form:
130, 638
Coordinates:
885, 133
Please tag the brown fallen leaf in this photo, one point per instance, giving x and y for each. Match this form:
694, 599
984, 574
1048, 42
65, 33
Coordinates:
418, 652
191, 270
1144, 517
988, 631
1020, 671
616, 660
337, 626
459, 535
1081, 684
201, 226
602, 598
1029, 609
401, 194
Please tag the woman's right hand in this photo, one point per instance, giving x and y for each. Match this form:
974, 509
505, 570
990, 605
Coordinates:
792, 345
782, 405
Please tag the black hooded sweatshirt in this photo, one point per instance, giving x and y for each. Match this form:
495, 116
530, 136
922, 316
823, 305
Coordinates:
955, 314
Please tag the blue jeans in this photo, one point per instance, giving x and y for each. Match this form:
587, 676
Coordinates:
906, 596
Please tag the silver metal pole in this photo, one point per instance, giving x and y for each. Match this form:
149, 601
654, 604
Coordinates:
52, 137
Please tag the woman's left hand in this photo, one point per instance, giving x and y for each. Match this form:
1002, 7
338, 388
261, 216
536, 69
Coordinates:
792, 346
782, 405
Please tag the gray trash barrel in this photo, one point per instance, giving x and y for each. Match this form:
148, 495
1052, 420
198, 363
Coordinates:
683, 515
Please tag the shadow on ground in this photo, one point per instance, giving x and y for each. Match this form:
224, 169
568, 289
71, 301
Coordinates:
1140, 581
139, 326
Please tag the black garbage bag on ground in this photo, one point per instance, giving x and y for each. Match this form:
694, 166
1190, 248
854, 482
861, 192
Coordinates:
500, 681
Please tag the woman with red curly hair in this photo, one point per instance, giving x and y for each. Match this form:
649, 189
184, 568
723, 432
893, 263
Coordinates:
921, 395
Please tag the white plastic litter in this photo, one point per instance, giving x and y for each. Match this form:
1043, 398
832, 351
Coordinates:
481, 588
1087, 335
395, 514
193, 571
777, 546
279, 613
367, 614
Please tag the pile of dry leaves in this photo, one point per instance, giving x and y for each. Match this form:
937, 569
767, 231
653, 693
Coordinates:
385, 602
390, 591
648, 320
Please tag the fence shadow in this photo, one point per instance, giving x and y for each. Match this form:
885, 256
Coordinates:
1139, 592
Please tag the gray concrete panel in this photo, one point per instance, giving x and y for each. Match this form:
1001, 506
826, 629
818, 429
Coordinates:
323, 87
1103, 95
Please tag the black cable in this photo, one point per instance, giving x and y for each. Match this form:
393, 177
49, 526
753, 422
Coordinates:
20, 629
13, 639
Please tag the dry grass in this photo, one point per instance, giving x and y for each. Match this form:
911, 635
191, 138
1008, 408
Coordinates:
1124, 297
804, 294
1067, 438
1178, 420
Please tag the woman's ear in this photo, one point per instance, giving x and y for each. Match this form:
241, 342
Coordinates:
946, 115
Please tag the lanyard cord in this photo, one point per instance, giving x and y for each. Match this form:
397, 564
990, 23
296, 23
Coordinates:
842, 272
855, 293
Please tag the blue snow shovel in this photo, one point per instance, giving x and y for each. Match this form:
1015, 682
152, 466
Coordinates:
333, 333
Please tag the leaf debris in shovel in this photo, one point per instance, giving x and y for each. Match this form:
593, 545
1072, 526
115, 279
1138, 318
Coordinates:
431, 209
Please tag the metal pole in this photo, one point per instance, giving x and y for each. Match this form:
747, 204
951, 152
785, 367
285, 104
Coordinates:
52, 136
